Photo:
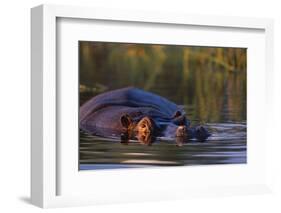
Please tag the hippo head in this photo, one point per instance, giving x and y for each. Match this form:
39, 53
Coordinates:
142, 130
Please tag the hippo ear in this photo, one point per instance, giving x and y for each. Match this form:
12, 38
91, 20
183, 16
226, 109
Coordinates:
126, 120
177, 114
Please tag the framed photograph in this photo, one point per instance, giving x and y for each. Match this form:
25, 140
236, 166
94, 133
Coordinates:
132, 106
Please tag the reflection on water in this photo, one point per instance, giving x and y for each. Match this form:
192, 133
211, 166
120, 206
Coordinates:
226, 145
210, 83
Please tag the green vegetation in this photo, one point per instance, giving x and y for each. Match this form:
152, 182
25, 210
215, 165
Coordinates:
210, 82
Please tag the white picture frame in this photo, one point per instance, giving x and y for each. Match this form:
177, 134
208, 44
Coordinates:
46, 167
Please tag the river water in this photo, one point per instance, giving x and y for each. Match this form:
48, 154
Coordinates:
227, 145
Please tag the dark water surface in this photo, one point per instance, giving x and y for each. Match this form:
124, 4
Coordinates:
227, 145
209, 82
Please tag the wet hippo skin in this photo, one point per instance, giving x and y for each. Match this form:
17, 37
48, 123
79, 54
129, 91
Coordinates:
131, 113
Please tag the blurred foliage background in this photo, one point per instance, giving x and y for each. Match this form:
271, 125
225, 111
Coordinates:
209, 82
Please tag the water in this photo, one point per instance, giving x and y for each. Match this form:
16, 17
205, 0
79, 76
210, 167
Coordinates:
209, 83
227, 145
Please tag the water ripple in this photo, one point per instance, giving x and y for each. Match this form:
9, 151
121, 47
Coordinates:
226, 145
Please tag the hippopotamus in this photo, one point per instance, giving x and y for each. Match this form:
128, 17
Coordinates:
131, 113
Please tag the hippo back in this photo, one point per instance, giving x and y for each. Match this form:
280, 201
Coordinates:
130, 97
